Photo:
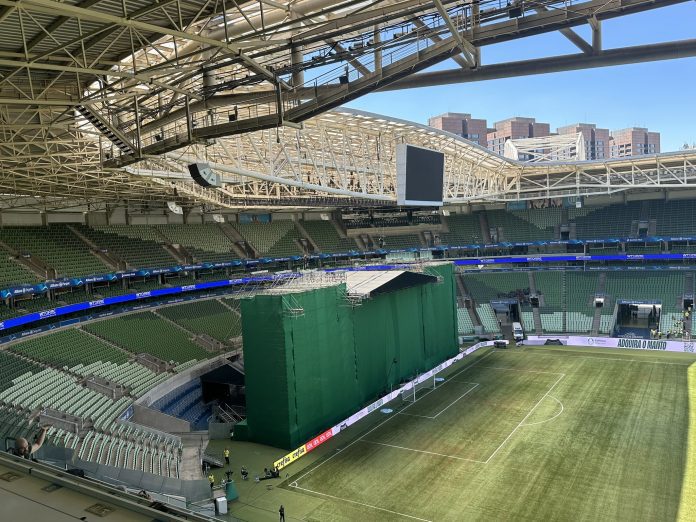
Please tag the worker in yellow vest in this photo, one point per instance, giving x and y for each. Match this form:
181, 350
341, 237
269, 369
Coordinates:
211, 479
227, 456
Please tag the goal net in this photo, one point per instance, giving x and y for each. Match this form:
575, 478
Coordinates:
418, 390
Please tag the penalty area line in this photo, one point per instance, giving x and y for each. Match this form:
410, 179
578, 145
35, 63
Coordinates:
412, 517
525, 418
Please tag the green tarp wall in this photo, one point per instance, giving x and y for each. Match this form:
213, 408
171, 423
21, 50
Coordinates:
306, 373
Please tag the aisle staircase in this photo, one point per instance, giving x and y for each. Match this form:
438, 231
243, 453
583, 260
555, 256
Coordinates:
538, 330
601, 288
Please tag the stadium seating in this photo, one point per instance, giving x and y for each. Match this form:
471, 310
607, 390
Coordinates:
604, 222
550, 285
12, 273
581, 288
552, 322
606, 324
206, 317
527, 321
186, 402
497, 285
69, 347
57, 246
666, 287
326, 237
465, 326
275, 239
521, 226
464, 229
488, 318
668, 321
133, 375
138, 245
145, 332
204, 242
400, 241
12, 367
578, 322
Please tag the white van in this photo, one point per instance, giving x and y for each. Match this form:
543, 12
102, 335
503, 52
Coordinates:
517, 332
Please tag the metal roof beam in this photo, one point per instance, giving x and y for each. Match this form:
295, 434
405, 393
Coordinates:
468, 50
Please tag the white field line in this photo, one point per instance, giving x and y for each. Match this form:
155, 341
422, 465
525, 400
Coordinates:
525, 418
518, 370
386, 420
622, 359
363, 504
548, 420
475, 385
422, 451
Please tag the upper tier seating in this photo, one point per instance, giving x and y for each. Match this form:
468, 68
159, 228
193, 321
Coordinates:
12, 273
145, 332
68, 348
464, 229
604, 222
326, 237
57, 246
138, 245
273, 239
525, 225
206, 317
204, 242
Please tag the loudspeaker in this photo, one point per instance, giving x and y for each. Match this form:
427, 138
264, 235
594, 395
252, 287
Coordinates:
204, 175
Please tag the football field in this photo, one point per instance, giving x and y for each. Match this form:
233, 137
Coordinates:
543, 433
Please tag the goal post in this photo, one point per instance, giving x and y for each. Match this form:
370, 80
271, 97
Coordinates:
419, 389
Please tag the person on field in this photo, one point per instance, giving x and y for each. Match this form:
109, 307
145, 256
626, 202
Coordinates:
226, 453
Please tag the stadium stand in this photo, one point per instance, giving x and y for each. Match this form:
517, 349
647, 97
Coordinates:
204, 242
521, 226
326, 237
57, 246
464, 229
666, 287
488, 318
465, 326
145, 332
604, 222
12, 273
186, 402
206, 317
140, 246
271, 239
12, 367
68, 348
497, 285
401, 241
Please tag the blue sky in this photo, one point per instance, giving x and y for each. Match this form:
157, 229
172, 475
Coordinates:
612, 97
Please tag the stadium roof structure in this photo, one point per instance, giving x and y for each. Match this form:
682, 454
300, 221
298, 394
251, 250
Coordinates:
90, 86
344, 157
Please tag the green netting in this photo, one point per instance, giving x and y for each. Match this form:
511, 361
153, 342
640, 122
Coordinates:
306, 372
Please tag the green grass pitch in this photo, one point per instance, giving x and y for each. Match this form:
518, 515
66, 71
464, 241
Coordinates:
544, 433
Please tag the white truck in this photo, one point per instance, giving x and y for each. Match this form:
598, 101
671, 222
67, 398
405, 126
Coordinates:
517, 332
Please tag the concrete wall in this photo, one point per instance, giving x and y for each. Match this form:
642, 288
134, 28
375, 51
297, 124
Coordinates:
158, 420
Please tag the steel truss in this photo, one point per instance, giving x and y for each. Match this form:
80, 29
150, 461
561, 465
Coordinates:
147, 77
